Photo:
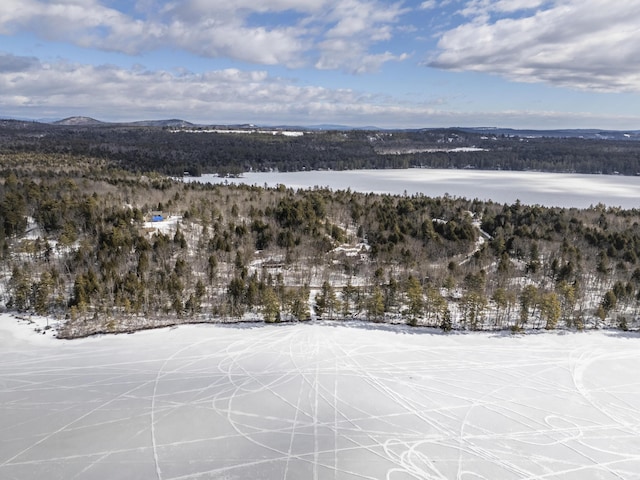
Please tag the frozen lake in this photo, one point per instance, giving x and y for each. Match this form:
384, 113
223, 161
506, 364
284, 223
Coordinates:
548, 189
320, 402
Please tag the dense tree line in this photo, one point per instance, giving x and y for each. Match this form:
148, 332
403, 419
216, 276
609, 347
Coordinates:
77, 243
174, 151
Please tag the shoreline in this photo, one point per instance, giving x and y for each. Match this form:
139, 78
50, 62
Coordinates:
34, 328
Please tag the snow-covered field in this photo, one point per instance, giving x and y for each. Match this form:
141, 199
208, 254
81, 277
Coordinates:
318, 401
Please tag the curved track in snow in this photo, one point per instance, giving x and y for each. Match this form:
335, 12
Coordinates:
320, 401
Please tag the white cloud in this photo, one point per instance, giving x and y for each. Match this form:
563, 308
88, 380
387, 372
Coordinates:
234, 40
229, 29
580, 44
115, 93
357, 26
483, 8
29, 87
195, 9
428, 4
340, 53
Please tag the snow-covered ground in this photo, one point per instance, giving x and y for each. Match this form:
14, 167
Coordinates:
166, 225
318, 401
404, 151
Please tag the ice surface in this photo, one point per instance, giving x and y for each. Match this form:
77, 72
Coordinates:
323, 401
548, 189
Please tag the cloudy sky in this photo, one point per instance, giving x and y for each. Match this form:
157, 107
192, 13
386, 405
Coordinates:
420, 63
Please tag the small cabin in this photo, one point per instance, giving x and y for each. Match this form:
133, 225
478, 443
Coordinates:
156, 216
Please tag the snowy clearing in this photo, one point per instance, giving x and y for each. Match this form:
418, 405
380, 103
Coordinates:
320, 401
166, 225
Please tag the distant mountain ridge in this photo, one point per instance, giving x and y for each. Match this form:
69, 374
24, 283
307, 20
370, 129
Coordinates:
598, 134
590, 133
173, 122
88, 122
78, 121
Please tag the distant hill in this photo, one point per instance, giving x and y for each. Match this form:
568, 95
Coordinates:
78, 121
339, 127
89, 122
173, 122
562, 133
595, 134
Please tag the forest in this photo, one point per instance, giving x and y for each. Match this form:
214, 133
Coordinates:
102, 248
173, 150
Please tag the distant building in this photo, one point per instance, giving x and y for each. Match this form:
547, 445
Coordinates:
157, 216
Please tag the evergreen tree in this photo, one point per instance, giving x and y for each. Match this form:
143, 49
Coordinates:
528, 301
270, 305
415, 301
375, 305
326, 301
550, 310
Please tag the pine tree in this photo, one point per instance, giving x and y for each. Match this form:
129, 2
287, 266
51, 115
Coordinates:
42, 294
326, 301
375, 305
415, 300
270, 305
550, 310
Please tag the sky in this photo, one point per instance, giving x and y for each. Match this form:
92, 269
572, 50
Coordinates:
391, 64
